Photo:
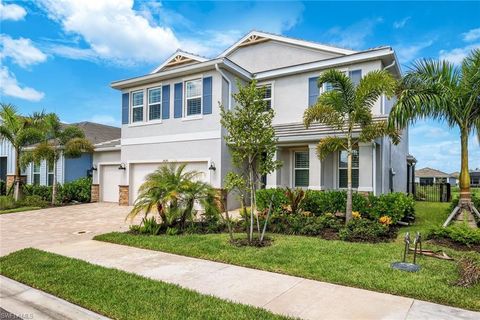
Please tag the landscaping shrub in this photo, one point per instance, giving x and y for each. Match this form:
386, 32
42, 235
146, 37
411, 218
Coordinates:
364, 230
469, 272
320, 202
33, 201
77, 190
45, 192
7, 202
302, 224
459, 233
397, 205
3, 187
264, 196
147, 226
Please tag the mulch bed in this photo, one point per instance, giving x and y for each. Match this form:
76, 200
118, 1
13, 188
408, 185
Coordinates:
444, 242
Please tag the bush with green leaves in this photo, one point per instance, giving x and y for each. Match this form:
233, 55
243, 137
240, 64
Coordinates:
302, 224
78, 190
33, 201
265, 196
460, 233
45, 192
147, 226
396, 205
364, 230
7, 202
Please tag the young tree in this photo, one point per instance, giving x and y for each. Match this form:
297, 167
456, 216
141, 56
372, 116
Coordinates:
20, 131
441, 90
251, 140
348, 110
57, 139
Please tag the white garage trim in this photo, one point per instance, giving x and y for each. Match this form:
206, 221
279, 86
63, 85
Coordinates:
100, 167
205, 135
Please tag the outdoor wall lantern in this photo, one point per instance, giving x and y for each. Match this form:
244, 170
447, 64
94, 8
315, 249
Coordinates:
122, 166
212, 166
94, 168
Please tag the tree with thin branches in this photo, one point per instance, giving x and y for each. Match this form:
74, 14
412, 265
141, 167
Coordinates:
347, 109
21, 131
446, 92
58, 139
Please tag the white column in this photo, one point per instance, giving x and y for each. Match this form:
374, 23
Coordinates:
365, 180
315, 168
274, 178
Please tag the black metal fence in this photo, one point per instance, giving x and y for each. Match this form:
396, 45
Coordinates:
435, 192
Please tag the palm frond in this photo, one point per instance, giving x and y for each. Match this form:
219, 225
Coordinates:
372, 86
69, 133
76, 146
340, 83
379, 129
44, 150
329, 145
324, 113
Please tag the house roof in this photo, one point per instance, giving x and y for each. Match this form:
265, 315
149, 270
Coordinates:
429, 173
256, 36
109, 145
455, 174
97, 133
180, 58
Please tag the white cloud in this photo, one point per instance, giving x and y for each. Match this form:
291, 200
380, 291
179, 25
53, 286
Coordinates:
105, 119
401, 23
21, 51
11, 12
71, 52
354, 35
113, 30
471, 35
457, 55
10, 87
407, 53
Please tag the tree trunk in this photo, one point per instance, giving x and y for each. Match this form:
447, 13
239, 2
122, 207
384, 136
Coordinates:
17, 193
348, 211
54, 184
227, 216
465, 195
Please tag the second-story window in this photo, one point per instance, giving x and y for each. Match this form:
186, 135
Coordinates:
36, 173
154, 103
193, 97
267, 94
137, 106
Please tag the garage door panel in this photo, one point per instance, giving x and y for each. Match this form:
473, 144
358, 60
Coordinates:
140, 171
109, 180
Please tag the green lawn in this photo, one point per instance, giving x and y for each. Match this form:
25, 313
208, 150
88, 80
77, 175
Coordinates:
20, 209
353, 264
118, 294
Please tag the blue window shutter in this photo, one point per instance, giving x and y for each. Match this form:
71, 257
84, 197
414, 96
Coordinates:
166, 102
313, 91
207, 95
355, 76
178, 100
125, 109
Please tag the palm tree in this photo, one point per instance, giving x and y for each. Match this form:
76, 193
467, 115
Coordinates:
443, 91
347, 109
20, 131
172, 192
57, 139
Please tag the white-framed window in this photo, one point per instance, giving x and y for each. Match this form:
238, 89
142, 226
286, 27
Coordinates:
137, 106
355, 76
301, 170
327, 86
343, 168
36, 173
267, 93
154, 103
50, 173
193, 97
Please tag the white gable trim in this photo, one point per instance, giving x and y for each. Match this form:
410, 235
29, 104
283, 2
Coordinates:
179, 53
302, 43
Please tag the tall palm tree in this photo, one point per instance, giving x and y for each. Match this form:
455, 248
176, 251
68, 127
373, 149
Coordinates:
57, 139
20, 131
172, 192
347, 109
450, 93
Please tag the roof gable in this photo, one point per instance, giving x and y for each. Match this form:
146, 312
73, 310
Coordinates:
429, 172
255, 37
179, 58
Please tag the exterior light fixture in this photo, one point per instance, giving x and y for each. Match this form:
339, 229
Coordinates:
122, 166
94, 168
212, 166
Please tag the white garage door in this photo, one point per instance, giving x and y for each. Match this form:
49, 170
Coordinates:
109, 181
139, 172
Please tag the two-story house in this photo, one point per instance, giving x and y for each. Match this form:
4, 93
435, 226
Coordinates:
172, 115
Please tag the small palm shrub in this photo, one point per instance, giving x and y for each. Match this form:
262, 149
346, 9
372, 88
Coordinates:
7, 202
147, 226
459, 233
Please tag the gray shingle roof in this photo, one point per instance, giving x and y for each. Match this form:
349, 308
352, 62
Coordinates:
429, 172
98, 133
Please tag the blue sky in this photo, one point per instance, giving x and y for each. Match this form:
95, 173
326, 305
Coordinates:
61, 56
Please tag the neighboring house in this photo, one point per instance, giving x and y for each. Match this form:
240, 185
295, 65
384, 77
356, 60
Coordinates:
69, 169
475, 178
455, 175
429, 176
172, 116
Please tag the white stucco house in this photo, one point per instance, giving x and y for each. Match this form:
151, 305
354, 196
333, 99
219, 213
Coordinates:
172, 115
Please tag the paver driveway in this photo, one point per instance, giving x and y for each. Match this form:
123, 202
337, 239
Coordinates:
47, 227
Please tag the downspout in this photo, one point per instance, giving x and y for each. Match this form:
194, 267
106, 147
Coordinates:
229, 85
374, 169
390, 177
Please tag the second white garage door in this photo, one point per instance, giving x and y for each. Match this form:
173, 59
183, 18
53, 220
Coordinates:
139, 172
109, 181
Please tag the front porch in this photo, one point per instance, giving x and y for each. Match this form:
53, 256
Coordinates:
302, 168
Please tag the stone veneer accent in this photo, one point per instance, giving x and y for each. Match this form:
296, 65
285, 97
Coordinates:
11, 180
123, 195
94, 194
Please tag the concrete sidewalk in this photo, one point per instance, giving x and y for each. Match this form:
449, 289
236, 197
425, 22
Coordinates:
25, 302
278, 293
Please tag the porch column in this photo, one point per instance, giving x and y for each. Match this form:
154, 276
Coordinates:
366, 163
274, 178
315, 168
